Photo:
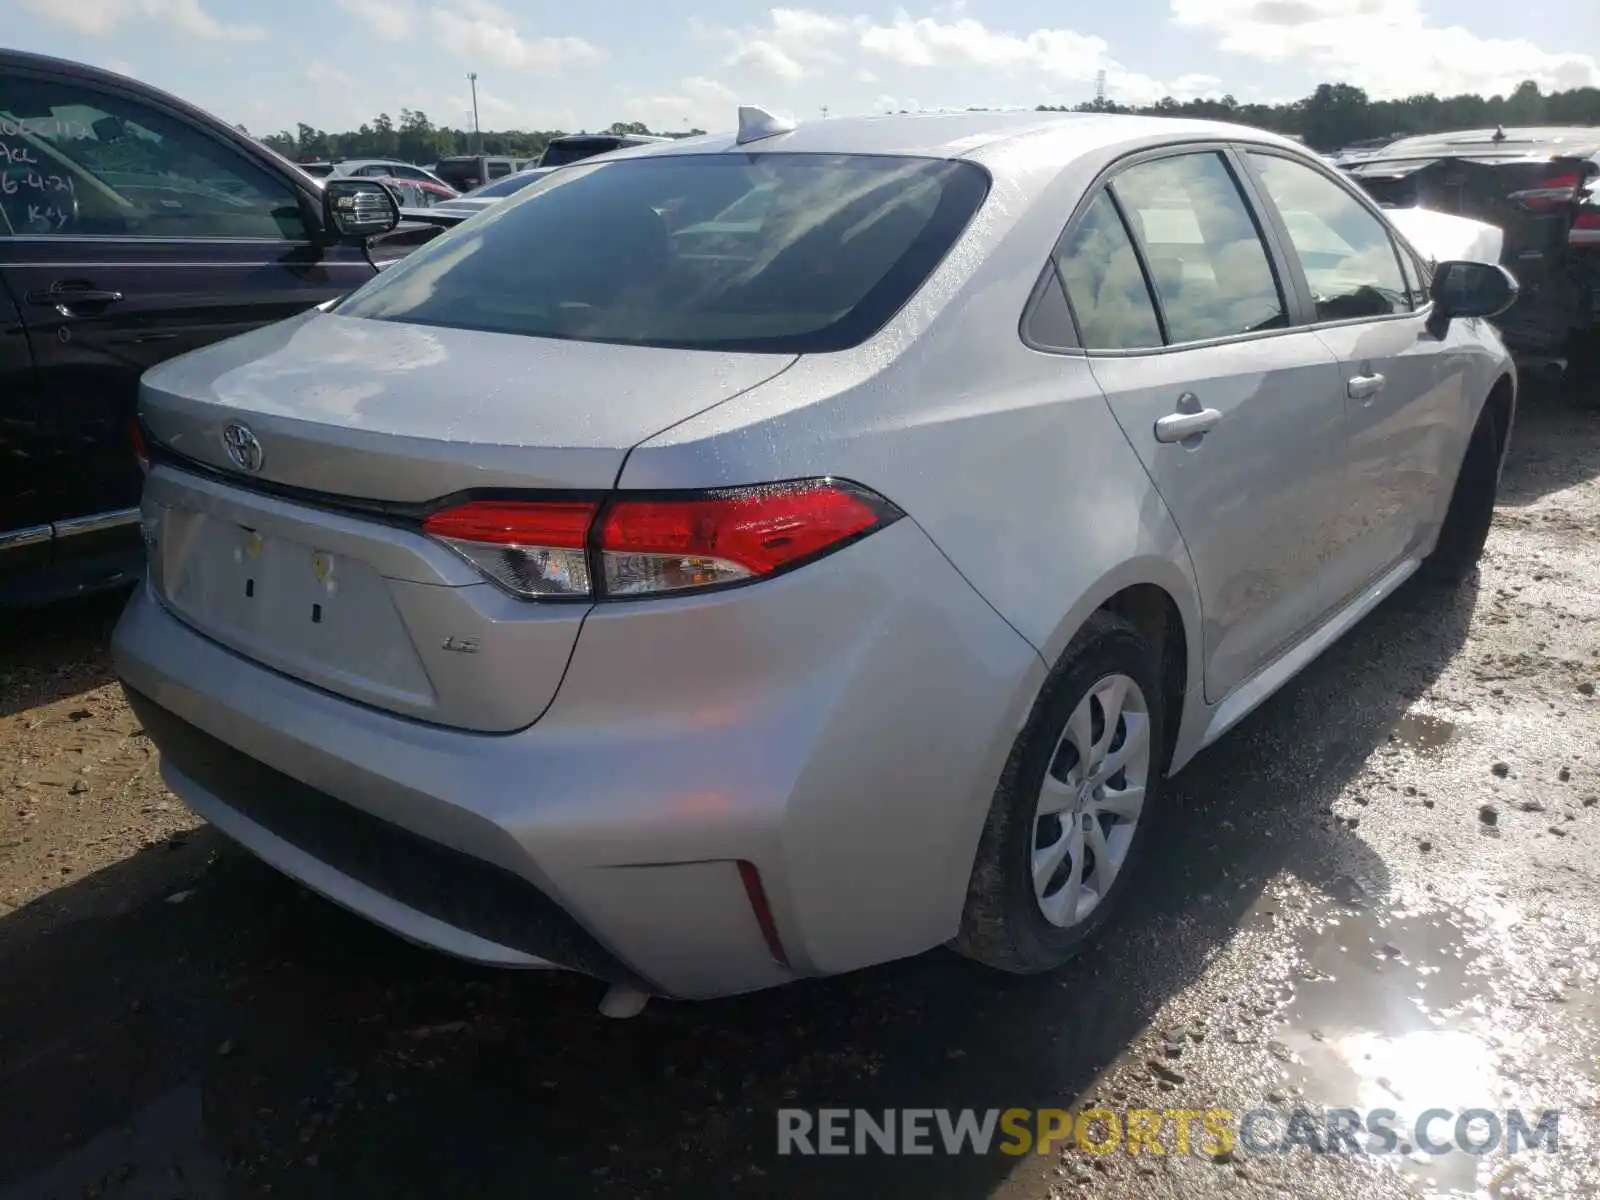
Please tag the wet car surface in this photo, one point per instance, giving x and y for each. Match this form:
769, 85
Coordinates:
1380, 891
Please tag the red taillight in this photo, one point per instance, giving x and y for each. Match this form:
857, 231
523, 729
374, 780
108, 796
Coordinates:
1587, 220
660, 544
530, 548
559, 524
665, 545
141, 452
1555, 192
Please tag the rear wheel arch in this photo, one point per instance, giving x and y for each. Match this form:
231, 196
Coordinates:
1151, 610
1158, 596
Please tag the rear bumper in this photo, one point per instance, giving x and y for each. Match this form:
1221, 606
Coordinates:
840, 728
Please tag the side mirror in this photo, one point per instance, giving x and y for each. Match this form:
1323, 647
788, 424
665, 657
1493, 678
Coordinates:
1472, 289
358, 208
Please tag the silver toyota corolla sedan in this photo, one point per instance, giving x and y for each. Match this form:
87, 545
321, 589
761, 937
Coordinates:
761, 556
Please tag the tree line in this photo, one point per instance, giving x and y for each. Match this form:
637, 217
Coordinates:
414, 138
1337, 115
1333, 116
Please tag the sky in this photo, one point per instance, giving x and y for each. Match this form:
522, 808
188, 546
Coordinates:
268, 64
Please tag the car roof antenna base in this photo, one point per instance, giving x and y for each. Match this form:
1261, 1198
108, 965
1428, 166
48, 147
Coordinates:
757, 123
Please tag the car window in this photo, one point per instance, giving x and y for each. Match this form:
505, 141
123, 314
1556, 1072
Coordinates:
1105, 283
1210, 270
591, 255
575, 149
1048, 322
510, 185
499, 170
1412, 272
78, 162
1349, 259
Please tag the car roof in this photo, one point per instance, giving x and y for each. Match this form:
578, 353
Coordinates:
958, 134
641, 139
1514, 142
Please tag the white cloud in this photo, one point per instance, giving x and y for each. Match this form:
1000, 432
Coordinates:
392, 20
698, 103
1060, 55
99, 18
482, 33
321, 74
1190, 87
767, 58
927, 42
794, 43
1388, 47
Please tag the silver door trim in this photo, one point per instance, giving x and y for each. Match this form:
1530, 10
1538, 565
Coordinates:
30, 535
116, 518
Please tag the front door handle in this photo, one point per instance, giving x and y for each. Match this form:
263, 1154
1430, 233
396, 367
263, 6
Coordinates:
1364, 387
62, 294
1181, 426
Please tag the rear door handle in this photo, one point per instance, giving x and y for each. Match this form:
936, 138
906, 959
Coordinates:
63, 294
1179, 427
1364, 387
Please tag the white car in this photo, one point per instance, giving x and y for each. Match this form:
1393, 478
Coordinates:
710, 609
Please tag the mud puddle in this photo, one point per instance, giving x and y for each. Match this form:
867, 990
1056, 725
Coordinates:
1403, 1036
1424, 734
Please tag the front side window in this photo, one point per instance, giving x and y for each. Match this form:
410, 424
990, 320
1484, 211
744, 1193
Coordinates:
1208, 265
620, 251
1105, 284
1348, 257
77, 162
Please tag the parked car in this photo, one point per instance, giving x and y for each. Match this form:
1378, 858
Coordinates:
418, 193
388, 168
1538, 186
133, 227
454, 211
316, 168
575, 147
464, 172
704, 621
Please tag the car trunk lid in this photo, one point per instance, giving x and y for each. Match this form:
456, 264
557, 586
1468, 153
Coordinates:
1532, 198
314, 564
380, 410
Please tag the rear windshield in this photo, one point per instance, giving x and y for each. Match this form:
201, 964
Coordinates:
571, 150
819, 252
509, 185
459, 172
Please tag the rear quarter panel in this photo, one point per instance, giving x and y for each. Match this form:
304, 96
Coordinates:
1009, 458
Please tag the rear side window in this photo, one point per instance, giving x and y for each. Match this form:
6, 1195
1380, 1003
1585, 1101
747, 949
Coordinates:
629, 251
1208, 265
1348, 257
1105, 283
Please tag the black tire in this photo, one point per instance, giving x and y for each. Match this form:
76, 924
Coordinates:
1471, 511
1003, 925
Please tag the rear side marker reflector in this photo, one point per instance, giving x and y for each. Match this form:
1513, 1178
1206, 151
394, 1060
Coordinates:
762, 910
658, 544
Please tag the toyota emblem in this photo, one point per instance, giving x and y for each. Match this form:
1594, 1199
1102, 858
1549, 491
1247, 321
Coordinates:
243, 448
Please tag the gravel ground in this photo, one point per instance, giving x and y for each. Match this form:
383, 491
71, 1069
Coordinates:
1380, 891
